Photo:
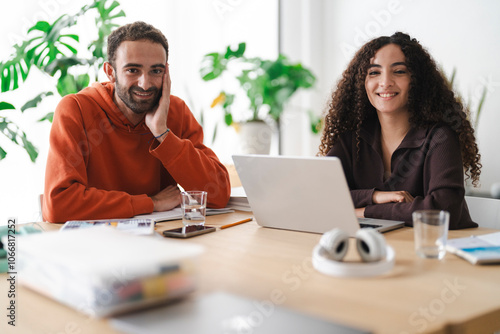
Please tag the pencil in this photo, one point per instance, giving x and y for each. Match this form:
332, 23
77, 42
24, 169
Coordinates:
237, 223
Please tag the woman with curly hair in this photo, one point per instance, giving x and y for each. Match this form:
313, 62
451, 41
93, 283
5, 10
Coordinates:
402, 136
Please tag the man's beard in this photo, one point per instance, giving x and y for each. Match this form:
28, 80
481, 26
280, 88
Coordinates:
138, 106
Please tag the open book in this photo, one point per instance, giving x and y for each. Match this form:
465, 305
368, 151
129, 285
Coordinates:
176, 213
481, 249
134, 226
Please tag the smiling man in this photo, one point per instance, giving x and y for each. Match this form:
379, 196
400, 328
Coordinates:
120, 148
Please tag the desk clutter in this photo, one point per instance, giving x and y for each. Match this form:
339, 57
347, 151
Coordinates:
239, 200
103, 271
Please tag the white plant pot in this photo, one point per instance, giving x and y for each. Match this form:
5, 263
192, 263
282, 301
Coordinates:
255, 137
495, 190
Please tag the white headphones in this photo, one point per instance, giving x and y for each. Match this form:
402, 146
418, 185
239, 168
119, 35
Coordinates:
377, 257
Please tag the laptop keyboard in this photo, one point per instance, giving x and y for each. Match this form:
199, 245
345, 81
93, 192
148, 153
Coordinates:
363, 225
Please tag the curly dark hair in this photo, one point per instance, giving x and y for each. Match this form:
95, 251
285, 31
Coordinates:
430, 100
134, 32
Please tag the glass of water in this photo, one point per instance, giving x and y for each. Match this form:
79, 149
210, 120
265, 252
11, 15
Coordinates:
193, 206
431, 232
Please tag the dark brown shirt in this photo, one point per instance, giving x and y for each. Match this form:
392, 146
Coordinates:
427, 164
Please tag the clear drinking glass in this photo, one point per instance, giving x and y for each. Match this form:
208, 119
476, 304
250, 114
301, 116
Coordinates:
431, 232
193, 205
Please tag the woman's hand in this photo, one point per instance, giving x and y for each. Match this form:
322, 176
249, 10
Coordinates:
360, 212
399, 196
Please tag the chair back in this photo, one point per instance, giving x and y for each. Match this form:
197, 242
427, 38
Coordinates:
484, 211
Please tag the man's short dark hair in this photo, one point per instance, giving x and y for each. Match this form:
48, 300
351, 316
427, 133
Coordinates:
134, 32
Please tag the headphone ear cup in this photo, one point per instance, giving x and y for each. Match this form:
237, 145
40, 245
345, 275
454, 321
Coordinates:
371, 245
334, 244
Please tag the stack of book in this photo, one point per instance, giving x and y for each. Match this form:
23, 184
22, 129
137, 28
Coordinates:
239, 200
103, 271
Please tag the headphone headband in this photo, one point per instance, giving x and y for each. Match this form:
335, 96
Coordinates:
352, 269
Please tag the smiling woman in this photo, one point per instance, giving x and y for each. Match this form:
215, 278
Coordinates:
403, 138
388, 81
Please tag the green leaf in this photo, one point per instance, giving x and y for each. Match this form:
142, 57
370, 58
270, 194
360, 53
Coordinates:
43, 26
215, 133
82, 81
70, 48
228, 100
17, 67
315, 122
238, 53
51, 41
213, 65
67, 85
70, 84
3, 154
30, 149
12, 131
228, 119
6, 105
104, 25
63, 64
48, 117
36, 100
73, 36
11, 134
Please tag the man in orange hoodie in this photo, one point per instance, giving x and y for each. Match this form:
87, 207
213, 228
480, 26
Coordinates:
119, 148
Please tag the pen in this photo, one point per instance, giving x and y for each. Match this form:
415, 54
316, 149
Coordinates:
237, 223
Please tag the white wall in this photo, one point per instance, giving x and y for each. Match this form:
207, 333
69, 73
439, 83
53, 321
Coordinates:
459, 34
192, 27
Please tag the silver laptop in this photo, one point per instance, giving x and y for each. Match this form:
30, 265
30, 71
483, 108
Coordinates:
220, 312
308, 194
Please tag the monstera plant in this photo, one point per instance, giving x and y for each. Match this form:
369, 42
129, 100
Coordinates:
54, 50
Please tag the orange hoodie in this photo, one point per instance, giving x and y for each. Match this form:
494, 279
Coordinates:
102, 166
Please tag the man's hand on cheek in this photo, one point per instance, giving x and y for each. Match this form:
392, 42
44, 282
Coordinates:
156, 120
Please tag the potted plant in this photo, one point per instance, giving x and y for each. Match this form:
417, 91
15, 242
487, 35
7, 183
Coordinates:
53, 51
268, 85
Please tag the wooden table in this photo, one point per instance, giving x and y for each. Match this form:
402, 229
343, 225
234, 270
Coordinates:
274, 267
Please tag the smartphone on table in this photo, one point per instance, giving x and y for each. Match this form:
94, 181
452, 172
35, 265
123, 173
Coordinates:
188, 231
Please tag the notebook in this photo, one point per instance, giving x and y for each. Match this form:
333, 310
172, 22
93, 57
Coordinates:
308, 194
221, 312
